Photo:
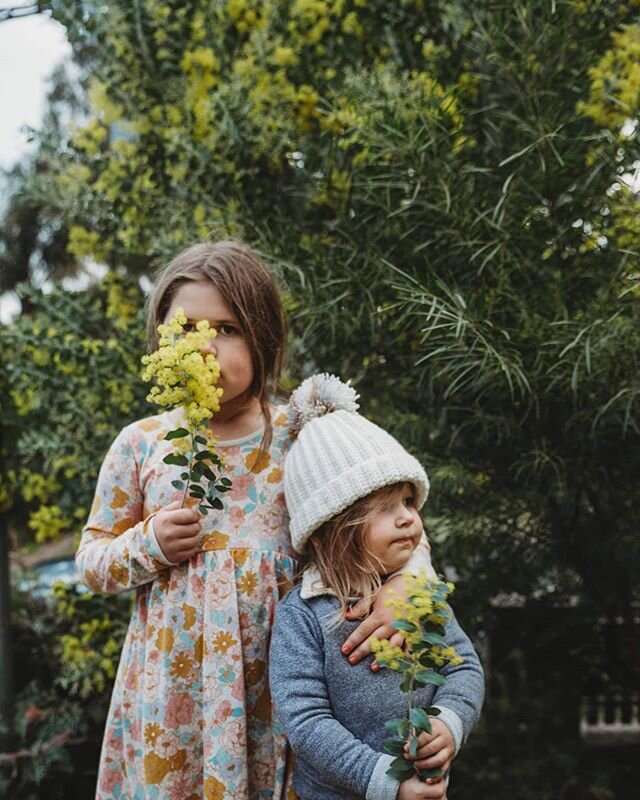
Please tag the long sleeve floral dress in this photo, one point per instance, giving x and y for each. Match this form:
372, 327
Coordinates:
190, 714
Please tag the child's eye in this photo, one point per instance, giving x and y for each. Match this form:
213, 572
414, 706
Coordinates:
227, 330
189, 327
409, 501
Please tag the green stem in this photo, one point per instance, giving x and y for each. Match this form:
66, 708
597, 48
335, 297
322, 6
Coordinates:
188, 481
412, 728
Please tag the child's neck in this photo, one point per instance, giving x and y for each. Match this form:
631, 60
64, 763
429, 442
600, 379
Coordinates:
237, 419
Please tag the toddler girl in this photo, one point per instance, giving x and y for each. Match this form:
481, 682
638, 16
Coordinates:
190, 715
354, 495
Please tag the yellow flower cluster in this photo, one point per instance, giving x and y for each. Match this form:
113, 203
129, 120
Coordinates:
387, 654
614, 95
48, 522
422, 611
184, 377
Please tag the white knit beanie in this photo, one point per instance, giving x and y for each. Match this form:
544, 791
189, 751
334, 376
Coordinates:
338, 457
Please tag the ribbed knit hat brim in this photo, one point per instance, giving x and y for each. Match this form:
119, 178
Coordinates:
338, 459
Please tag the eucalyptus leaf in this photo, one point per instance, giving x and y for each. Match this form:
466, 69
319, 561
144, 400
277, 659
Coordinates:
394, 746
178, 484
434, 638
420, 719
434, 772
400, 769
398, 726
177, 459
404, 625
426, 676
178, 433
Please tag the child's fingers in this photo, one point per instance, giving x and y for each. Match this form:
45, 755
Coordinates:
358, 645
441, 760
182, 516
359, 610
186, 531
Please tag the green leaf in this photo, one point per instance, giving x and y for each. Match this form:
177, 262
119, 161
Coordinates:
207, 471
425, 676
413, 745
404, 625
398, 726
433, 711
177, 459
394, 746
203, 509
178, 433
178, 484
434, 638
200, 439
225, 482
420, 719
216, 503
434, 772
196, 491
400, 769
184, 476
202, 455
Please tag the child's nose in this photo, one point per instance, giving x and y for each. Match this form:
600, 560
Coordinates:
209, 347
405, 517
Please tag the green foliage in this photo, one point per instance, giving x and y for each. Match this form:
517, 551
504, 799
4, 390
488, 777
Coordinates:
71, 380
443, 188
457, 169
66, 651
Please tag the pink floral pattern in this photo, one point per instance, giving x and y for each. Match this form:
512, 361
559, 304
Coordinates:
190, 715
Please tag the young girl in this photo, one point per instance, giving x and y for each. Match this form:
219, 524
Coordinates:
354, 496
190, 715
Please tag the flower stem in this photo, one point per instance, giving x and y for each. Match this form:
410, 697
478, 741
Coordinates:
188, 481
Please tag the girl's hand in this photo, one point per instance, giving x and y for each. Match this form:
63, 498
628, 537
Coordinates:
435, 749
377, 624
177, 531
415, 789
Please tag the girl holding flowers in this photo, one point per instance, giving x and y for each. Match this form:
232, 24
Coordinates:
354, 496
189, 511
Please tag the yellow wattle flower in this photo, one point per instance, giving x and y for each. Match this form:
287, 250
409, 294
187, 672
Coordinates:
183, 376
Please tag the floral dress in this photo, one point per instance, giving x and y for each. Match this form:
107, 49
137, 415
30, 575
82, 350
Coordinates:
190, 714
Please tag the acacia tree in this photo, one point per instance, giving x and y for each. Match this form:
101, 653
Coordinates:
442, 187
446, 191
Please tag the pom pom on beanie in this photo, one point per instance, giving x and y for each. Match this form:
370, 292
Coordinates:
319, 395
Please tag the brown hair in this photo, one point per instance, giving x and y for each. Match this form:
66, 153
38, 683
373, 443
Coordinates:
250, 291
337, 549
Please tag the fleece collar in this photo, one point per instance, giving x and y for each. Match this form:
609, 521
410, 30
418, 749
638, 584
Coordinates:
313, 585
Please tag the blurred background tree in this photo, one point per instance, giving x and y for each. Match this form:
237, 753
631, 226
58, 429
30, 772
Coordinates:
448, 191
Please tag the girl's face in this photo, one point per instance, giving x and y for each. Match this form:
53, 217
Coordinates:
393, 532
201, 300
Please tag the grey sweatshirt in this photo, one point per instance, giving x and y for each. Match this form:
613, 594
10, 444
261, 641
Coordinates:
334, 713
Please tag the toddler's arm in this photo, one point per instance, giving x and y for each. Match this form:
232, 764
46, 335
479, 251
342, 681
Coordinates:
302, 705
118, 550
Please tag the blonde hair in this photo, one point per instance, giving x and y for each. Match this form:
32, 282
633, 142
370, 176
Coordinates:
250, 291
338, 551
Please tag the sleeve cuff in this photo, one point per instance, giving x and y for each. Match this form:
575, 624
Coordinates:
382, 786
454, 723
153, 546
